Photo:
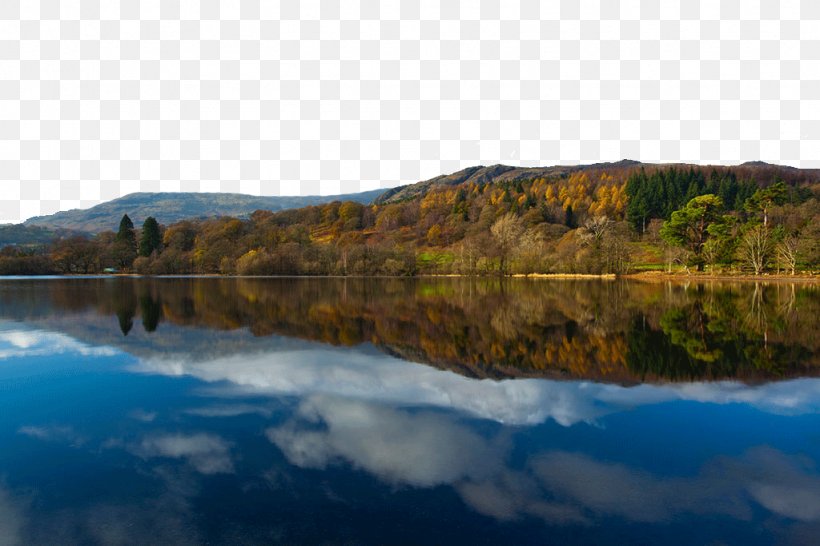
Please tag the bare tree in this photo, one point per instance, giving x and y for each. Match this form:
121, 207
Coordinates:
595, 228
712, 251
756, 247
787, 251
468, 252
675, 255
617, 255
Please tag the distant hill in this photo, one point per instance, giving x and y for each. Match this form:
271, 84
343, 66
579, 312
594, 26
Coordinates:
23, 235
168, 208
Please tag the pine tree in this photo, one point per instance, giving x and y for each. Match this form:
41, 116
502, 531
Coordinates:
125, 243
150, 240
126, 231
569, 217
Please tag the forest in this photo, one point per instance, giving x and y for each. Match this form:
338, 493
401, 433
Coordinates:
591, 221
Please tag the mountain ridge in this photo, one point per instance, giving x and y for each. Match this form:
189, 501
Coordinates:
170, 207
481, 174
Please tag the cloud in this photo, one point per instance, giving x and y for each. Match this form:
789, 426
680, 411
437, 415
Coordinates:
427, 449
18, 342
207, 453
230, 410
422, 449
789, 486
510, 494
611, 489
53, 433
390, 380
140, 414
784, 485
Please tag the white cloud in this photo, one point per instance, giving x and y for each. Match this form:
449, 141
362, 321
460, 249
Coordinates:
789, 486
53, 433
613, 489
18, 342
422, 449
517, 401
784, 485
140, 414
229, 410
426, 449
208, 453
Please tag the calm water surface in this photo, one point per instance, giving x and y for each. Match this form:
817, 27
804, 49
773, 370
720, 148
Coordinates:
366, 411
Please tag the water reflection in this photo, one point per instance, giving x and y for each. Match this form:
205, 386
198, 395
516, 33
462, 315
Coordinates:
426, 449
207, 453
519, 402
18, 341
624, 332
220, 418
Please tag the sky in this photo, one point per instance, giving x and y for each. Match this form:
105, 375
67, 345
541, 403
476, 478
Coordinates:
102, 98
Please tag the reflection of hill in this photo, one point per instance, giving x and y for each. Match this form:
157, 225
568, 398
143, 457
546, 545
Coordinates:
613, 331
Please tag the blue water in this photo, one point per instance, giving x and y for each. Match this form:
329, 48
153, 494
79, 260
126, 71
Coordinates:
143, 439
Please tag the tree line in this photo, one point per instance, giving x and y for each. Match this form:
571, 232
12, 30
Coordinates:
591, 221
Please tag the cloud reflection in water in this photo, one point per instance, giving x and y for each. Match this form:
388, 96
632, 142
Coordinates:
365, 376
424, 449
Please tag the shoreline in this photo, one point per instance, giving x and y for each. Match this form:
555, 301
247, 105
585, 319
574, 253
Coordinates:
644, 276
657, 276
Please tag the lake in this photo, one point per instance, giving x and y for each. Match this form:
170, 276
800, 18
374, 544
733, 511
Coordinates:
417, 411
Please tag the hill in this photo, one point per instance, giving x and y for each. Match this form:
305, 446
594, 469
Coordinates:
480, 175
23, 235
168, 208
500, 174
600, 218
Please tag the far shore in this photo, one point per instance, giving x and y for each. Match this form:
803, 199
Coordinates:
644, 276
660, 276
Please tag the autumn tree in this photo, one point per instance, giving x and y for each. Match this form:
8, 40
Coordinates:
350, 213
434, 235
506, 232
75, 255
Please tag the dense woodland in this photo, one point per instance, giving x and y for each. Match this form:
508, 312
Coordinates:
587, 221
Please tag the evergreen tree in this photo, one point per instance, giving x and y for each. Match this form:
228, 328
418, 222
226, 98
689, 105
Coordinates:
150, 240
125, 243
126, 231
569, 217
763, 199
691, 226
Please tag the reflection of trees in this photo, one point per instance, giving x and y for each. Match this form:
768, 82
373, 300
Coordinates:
125, 307
729, 332
125, 317
616, 331
151, 311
